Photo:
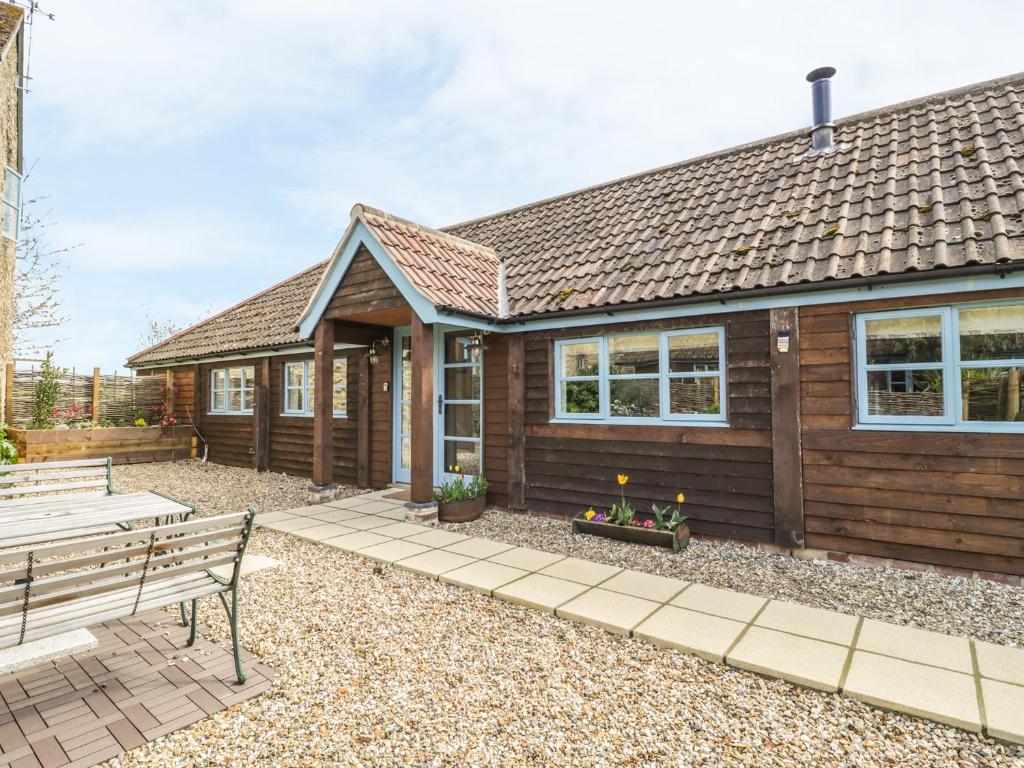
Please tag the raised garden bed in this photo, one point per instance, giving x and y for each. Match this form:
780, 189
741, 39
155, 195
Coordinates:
464, 511
125, 445
637, 534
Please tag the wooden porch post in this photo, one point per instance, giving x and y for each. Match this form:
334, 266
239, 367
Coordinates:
261, 415
422, 490
516, 419
363, 425
323, 405
787, 459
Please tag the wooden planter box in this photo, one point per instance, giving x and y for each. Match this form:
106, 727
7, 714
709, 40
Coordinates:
675, 540
461, 511
125, 445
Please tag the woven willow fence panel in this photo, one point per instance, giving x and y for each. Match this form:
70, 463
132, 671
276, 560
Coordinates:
121, 397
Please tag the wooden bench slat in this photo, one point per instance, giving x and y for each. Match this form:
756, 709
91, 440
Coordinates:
43, 489
44, 476
68, 464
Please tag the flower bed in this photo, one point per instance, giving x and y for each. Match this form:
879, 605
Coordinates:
125, 445
624, 523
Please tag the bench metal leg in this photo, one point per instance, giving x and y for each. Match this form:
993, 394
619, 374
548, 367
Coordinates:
195, 621
184, 615
233, 621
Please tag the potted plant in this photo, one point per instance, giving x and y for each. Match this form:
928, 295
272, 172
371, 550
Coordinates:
622, 522
460, 500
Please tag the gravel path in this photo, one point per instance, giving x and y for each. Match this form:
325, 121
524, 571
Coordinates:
379, 667
975, 608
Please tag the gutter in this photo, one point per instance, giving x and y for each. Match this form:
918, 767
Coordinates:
1000, 269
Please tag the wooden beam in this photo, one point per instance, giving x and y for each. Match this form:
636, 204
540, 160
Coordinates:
516, 420
95, 395
363, 424
358, 333
8, 414
323, 405
198, 396
168, 383
261, 415
422, 490
787, 466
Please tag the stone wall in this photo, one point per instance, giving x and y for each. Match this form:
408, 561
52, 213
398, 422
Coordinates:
10, 156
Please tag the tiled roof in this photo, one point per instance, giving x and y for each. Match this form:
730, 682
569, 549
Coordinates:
267, 320
931, 184
446, 269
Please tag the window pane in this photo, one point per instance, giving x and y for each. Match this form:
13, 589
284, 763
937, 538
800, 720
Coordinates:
634, 397
12, 187
340, 401
294, 400
235, 378
340, 375
218, 401
310, 390
462, 420
234, 400
462, 454
580, 359
10, 223
462, 383
218, 379
457, 347
898, 340
247, 399
992, 333
340, 404
991, 394
700, 394
581, 397
693, 353
905, 393
293, 374
633, 354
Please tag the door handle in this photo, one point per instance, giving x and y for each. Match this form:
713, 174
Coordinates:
440, 405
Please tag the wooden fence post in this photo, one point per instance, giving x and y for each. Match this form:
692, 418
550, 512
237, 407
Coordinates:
787, 459
169, 384
95, 395
8, 415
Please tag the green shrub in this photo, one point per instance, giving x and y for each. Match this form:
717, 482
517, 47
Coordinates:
460, 489
47, 392
8, 451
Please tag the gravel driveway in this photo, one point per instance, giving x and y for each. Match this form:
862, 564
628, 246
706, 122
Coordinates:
379, 667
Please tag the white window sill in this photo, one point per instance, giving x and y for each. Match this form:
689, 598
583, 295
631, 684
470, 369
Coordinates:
1008, 428
229, 413
640, 422
310, 415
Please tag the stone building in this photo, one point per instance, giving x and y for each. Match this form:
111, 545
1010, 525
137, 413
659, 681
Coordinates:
11, 121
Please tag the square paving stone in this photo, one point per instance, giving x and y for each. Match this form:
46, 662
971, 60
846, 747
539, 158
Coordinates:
358, 540
309, 511
293, 524
366, 522
400, 530
392, 514
526, 558
351, 502
483, 576
719, 602
706, 636
545, 593
391, 551
917, 645
645, 585
581, 571
338, 516
1000, 662
480, 548
437, 538
322, 531
262, 518
808, 622
797, 659
937, 694
434, 562
1004, 710
612, 611
376, 507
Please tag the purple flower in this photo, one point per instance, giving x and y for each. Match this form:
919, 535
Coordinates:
599, 518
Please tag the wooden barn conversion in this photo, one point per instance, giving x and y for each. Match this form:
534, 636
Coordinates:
819, 337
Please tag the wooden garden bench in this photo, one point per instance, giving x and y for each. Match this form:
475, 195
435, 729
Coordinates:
54, 588
49, 501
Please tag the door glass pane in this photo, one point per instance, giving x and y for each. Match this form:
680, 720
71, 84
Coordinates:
633, 354
462, 420
581, 397
406, 368
992, 333
696, 352
991, 394
462, 454
462, 383
898, 340
457, 347
406, 453
633, 397
906, 393
699, 395
406, 426
580, 359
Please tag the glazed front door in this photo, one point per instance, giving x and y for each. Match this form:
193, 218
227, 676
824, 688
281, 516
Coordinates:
402, 410
459, 384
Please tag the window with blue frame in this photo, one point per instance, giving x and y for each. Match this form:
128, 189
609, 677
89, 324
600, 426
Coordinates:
647, 377
956, 366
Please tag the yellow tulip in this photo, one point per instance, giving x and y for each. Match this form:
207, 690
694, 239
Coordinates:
623, 479
680, 498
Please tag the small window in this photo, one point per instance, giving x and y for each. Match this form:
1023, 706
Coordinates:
12, 204
232, 390
668, 376
957, 366
299, 388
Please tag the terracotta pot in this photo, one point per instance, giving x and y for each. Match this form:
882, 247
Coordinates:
676, 540
461, 511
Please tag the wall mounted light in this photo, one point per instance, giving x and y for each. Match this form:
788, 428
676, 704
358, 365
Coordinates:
375, 349
476, 347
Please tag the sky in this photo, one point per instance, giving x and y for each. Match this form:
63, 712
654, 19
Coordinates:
199, 152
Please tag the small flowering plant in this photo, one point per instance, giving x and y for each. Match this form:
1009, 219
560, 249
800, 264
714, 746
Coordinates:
459, 488
622, 512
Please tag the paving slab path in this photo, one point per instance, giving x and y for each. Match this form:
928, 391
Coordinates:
969, 684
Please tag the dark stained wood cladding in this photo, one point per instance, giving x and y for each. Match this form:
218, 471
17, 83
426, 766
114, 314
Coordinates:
380, 419
726, 473
495, 427
953, 499
230, 438
364, 288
